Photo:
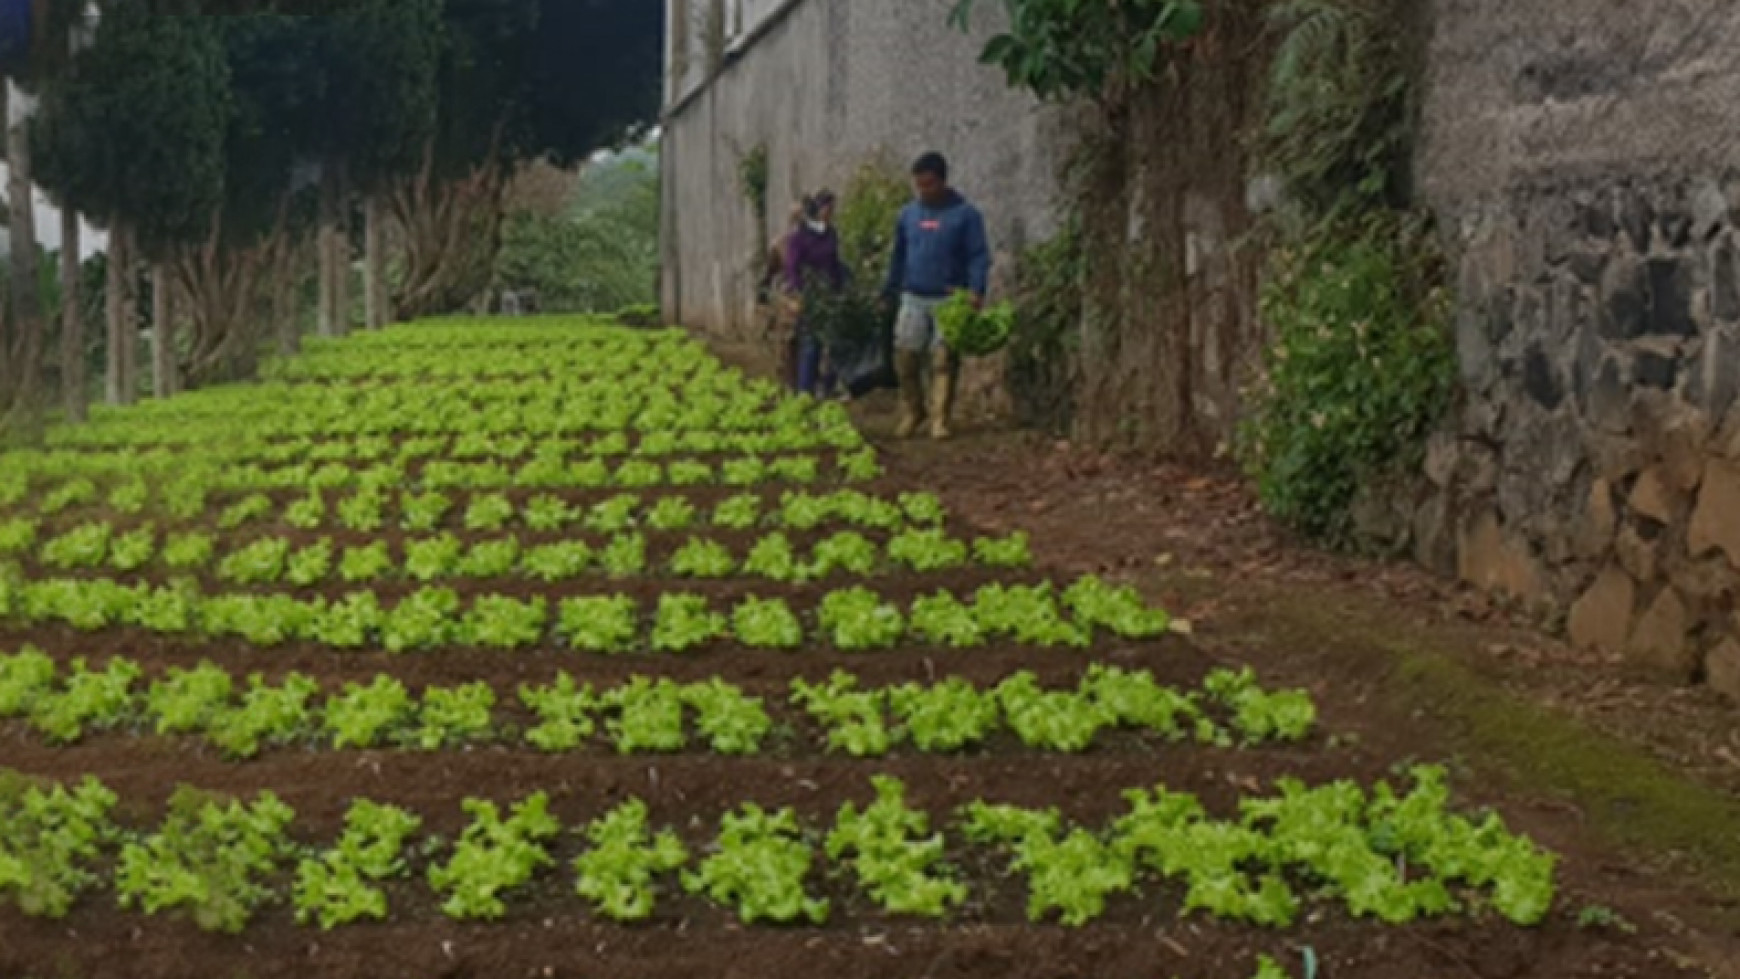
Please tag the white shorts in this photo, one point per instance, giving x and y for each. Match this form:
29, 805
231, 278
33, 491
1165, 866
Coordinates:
915, 328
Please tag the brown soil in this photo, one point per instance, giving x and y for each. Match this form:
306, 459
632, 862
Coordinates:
1252, 595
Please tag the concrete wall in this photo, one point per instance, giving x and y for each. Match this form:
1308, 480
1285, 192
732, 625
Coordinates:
1584, 159
826, 86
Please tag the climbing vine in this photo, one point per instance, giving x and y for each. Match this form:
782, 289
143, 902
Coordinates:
753, 178
1064, 49
1362, 367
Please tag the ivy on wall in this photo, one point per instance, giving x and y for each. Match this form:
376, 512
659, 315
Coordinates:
1362, 366
1067, 49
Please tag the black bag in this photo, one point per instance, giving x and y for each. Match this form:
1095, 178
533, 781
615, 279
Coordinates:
855, 326
863, 367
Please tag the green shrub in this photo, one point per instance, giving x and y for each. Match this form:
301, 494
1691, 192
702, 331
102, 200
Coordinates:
1362, 368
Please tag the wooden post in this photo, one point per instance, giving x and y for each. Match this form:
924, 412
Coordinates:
375, 264
164, 382
72, 318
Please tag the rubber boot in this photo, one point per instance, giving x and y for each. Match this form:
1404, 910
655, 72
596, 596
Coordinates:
909, 369
944, 369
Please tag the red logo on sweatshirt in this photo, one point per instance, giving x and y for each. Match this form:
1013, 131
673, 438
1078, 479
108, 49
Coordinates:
930, 224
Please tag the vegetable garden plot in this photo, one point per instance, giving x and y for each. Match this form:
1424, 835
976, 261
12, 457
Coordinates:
560, 649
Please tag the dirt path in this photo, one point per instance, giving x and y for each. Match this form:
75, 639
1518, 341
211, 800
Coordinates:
1637, 782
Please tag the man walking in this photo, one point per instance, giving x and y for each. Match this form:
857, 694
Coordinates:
940, 248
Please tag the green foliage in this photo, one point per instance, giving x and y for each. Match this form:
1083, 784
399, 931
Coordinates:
701, 558
1063, 49
1362, 368
648, 716
339, 887
1260, 715
1339, 124
368, 716
1046, 337
599, 624
268, 715
897, 862
1010, 551
564, 711
753, 178
24, 677
864, 218
208, 858
557, 562
85, 546
501, 622
684, 622
856, 720
1121, 611
455, 716
185, 701
1361, 371
971, 331
927, 550
494, 857
48, 839
740, 512
766, 624
947, 716
1072, 874
759, 868
856, 619
86, 699
732, 722
261, 562
365, 563
598, 254
1050, 720
945, 620
617, 873
160, 86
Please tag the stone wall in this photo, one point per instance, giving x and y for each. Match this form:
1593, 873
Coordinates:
1584, 160
826, 86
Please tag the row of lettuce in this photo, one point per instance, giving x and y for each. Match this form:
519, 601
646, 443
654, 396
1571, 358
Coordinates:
855, 619
641, 715
1386, 854
446, 556
428, 511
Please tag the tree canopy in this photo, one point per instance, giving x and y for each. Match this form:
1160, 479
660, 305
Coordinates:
172, 114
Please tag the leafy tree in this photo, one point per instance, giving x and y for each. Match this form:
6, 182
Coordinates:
36, 47
134, 136
520, 80
600, 253
1062, 49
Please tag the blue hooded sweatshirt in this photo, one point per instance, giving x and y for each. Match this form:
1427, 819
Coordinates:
938, 251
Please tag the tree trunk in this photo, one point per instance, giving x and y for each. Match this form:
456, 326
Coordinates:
23, 336
452, 235
284, 325
163, 379
334, 255
123, 336
72, 318
375, 264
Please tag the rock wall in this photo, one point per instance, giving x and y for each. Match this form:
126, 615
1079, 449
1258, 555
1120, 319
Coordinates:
1584, 159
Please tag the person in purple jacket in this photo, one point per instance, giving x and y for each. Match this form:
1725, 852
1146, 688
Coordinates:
813, 267
940, 248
